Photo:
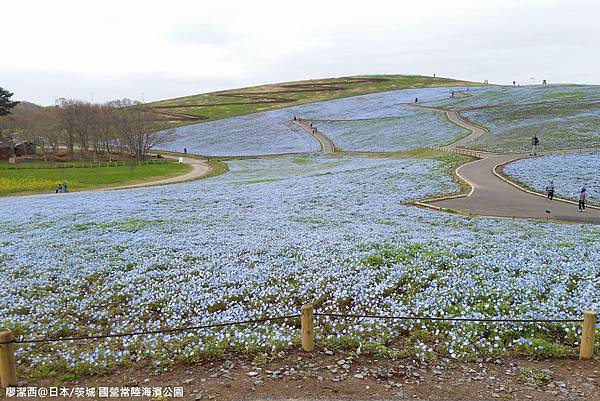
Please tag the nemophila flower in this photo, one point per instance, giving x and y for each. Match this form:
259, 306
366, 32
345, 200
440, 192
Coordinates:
414, 129
570, 172
271, 132
514, 114
267, 237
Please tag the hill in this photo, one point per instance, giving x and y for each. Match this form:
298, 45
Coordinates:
237, 102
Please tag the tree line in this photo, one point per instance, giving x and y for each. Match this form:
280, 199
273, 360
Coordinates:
83, 128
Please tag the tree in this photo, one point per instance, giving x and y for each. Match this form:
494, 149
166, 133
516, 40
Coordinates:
5, 103
77, 119
138, 128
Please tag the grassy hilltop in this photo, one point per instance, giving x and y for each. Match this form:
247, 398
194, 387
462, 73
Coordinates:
237, 102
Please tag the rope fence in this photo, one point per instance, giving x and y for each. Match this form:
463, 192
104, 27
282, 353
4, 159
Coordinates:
8, 372
149, 332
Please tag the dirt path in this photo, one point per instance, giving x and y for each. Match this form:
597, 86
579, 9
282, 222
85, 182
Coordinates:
327, 145
300, 376
494, 195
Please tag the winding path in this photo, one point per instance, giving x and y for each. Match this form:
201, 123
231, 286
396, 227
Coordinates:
200, 169
494, 195
327, 145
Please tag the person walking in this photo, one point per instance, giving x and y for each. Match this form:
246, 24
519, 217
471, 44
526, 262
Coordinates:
185, 151
416, 100
582, 200
535, 143
550, 190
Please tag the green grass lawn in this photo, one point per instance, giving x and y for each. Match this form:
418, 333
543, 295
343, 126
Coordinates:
45, 180
214, 105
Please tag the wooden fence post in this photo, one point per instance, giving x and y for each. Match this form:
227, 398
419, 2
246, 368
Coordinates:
308, 336
588, 335
8, 366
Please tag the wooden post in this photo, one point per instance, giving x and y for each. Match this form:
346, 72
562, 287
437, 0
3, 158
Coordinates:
8, 366
588, 335
308, 336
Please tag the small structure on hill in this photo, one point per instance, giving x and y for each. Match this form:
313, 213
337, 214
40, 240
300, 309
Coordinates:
13, 146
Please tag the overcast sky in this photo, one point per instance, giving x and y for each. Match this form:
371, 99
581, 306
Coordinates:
155, 50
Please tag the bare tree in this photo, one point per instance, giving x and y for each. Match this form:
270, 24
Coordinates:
79, 123
124, 125
44, 127
139, 129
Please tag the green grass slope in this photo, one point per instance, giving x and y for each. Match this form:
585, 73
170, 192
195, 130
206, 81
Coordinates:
44, 180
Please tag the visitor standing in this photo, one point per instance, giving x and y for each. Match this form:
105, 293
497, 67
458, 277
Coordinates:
582, 200
185, 151
535, 143
550, 190
416, 100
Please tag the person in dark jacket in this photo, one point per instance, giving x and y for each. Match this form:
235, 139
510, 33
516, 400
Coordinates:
535, 143
582, 200
550, 190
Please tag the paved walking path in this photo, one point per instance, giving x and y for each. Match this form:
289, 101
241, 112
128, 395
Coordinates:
200, 169
327, 145
493, 195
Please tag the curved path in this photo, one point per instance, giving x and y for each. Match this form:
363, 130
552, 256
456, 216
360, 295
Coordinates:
200, 169
494, 195
327, 145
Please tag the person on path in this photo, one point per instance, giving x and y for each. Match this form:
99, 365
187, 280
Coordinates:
514, 83
535, 143
416, 100
452, 94
582, 200
550, 190
185, 151
64, 187
58, 188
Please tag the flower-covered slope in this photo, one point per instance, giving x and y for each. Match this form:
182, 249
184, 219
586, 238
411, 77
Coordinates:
570, 173
562, 116
268, 237
272, 133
